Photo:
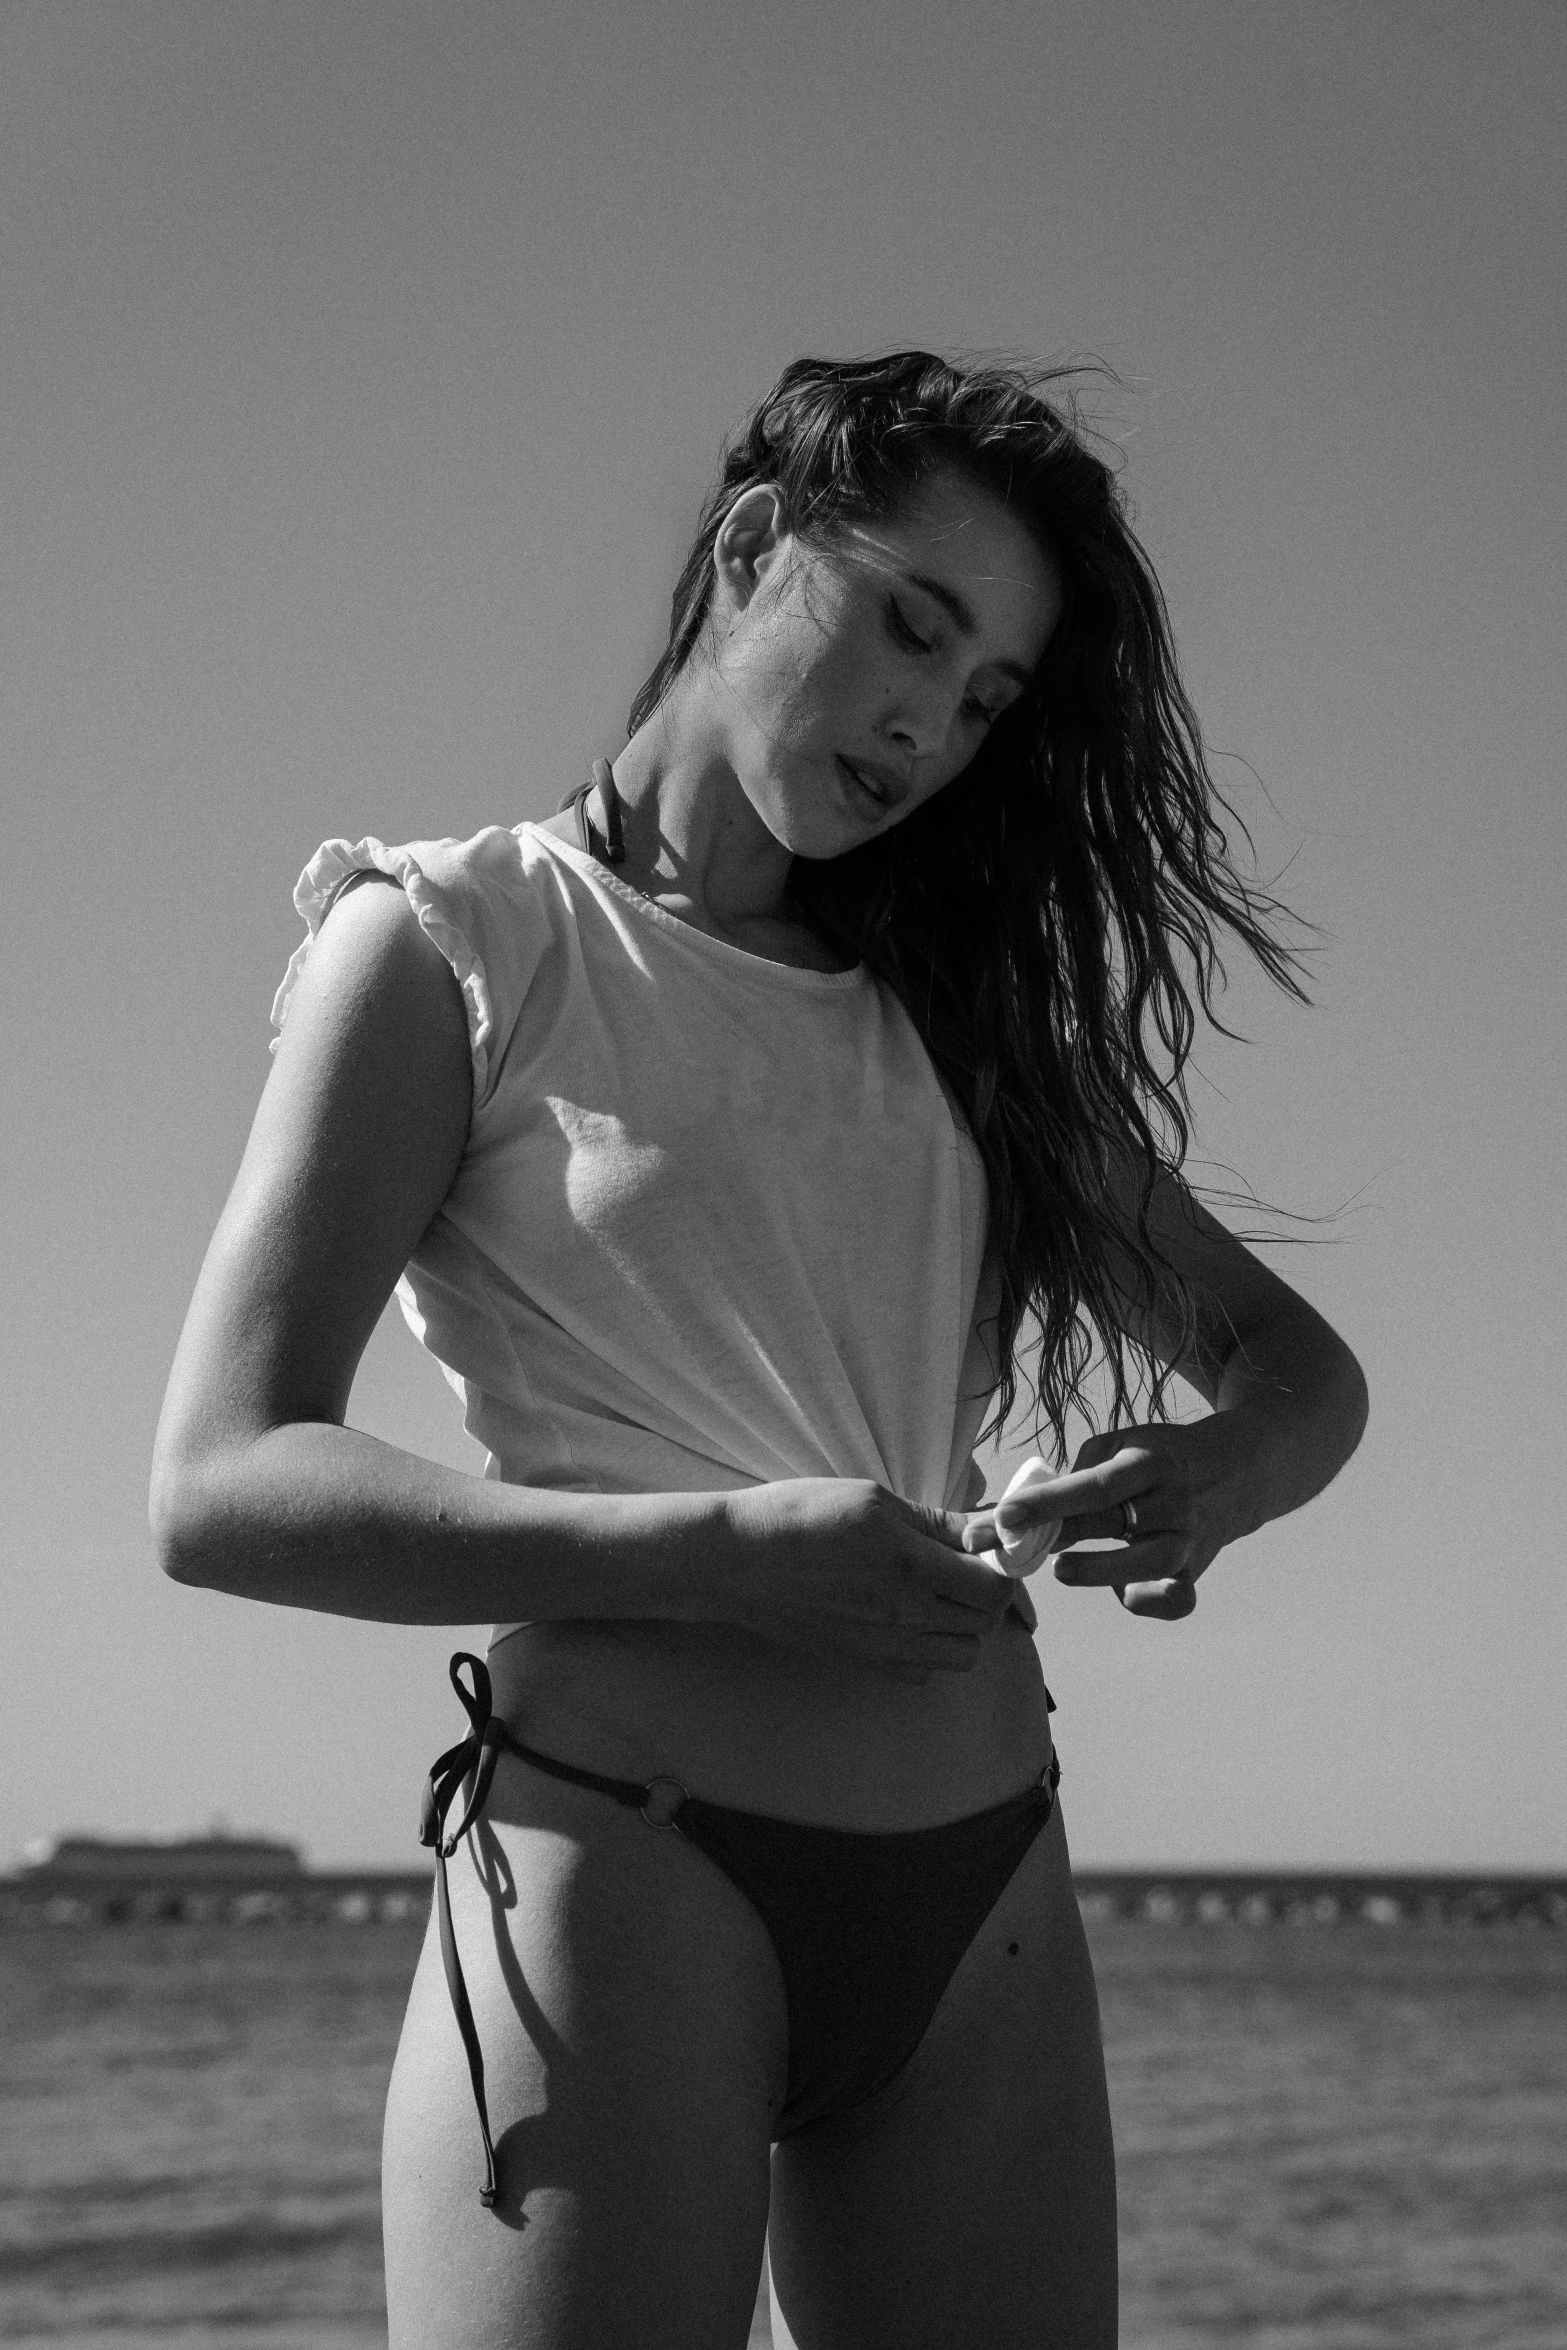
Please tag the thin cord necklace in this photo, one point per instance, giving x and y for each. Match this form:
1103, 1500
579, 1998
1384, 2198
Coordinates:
612, 849
601, 778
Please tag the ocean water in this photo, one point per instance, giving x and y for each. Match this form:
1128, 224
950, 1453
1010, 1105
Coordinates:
1329, 2139
1341, 2137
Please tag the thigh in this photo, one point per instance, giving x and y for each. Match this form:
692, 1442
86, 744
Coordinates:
631, 2015
974, 2199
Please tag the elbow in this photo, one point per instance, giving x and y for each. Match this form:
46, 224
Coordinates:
168, 1522
1354, 1400
178, 1518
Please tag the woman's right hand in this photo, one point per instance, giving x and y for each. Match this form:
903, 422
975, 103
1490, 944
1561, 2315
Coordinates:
841, 1568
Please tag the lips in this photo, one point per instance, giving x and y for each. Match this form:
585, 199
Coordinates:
869, 784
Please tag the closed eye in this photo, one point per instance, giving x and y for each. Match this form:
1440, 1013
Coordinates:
908, 636
903, 632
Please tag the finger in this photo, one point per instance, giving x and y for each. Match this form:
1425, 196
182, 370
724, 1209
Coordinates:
947, 1527
1025, 1538
1099, 1488
1151, 1559
964, 1582
979, 1530
944, 1621
1018, 1556
949, 1652
1098, 1526
930, 1648
1168, 1599
1013, 1516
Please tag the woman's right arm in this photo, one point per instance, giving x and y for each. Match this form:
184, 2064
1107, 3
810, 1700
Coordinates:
259, 1489
257, 1486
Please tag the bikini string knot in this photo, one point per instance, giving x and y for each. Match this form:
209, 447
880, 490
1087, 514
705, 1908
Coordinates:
475, 1758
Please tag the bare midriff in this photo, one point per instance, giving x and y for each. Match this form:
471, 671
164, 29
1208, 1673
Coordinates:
764, 1728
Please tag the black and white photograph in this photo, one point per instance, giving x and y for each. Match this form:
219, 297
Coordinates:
783, 1108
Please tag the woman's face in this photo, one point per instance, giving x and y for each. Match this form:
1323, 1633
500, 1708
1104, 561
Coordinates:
852, 681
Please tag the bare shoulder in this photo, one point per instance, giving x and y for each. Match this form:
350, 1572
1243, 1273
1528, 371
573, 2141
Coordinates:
365, 1116
372, 963
358, 1136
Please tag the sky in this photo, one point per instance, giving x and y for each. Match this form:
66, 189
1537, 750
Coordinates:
364, 367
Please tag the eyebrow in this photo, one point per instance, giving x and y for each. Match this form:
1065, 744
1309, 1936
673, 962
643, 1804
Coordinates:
963, 619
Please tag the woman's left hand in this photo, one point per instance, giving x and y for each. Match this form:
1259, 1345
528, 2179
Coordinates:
1170, 1496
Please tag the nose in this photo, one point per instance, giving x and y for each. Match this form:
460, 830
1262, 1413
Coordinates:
923, 726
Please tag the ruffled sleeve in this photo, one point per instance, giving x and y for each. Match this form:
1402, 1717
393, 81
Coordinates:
472, 901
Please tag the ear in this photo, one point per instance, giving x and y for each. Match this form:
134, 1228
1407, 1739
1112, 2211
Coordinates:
751, 540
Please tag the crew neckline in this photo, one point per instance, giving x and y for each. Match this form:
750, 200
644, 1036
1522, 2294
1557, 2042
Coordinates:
702, 941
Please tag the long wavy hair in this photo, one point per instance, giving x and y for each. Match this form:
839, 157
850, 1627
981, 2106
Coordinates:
1051, 919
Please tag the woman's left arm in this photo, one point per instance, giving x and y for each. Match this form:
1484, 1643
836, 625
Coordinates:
1288, 1408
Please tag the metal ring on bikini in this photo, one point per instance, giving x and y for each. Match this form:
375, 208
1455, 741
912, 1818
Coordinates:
1128, 1520
656, 1809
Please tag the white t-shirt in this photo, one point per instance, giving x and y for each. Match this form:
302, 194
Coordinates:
717, 1220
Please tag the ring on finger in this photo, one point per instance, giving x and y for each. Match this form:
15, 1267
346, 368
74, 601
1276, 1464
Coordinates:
1128, 1520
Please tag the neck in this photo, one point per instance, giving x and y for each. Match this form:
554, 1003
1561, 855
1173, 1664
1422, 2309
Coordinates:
692, 836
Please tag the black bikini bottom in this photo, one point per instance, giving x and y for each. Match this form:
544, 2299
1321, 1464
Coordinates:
869, 1929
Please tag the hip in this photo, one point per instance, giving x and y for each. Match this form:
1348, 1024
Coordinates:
744, 1722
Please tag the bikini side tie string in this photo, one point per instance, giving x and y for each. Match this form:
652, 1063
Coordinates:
476, 1758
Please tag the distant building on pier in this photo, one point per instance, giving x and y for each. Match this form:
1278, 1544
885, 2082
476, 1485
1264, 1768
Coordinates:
213, 1858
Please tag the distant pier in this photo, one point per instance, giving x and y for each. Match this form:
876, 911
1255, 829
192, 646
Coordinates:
175, 1895
1319, 1897
212, 1879
360, 1897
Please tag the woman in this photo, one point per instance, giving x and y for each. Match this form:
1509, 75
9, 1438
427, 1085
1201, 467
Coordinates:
727, 1126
